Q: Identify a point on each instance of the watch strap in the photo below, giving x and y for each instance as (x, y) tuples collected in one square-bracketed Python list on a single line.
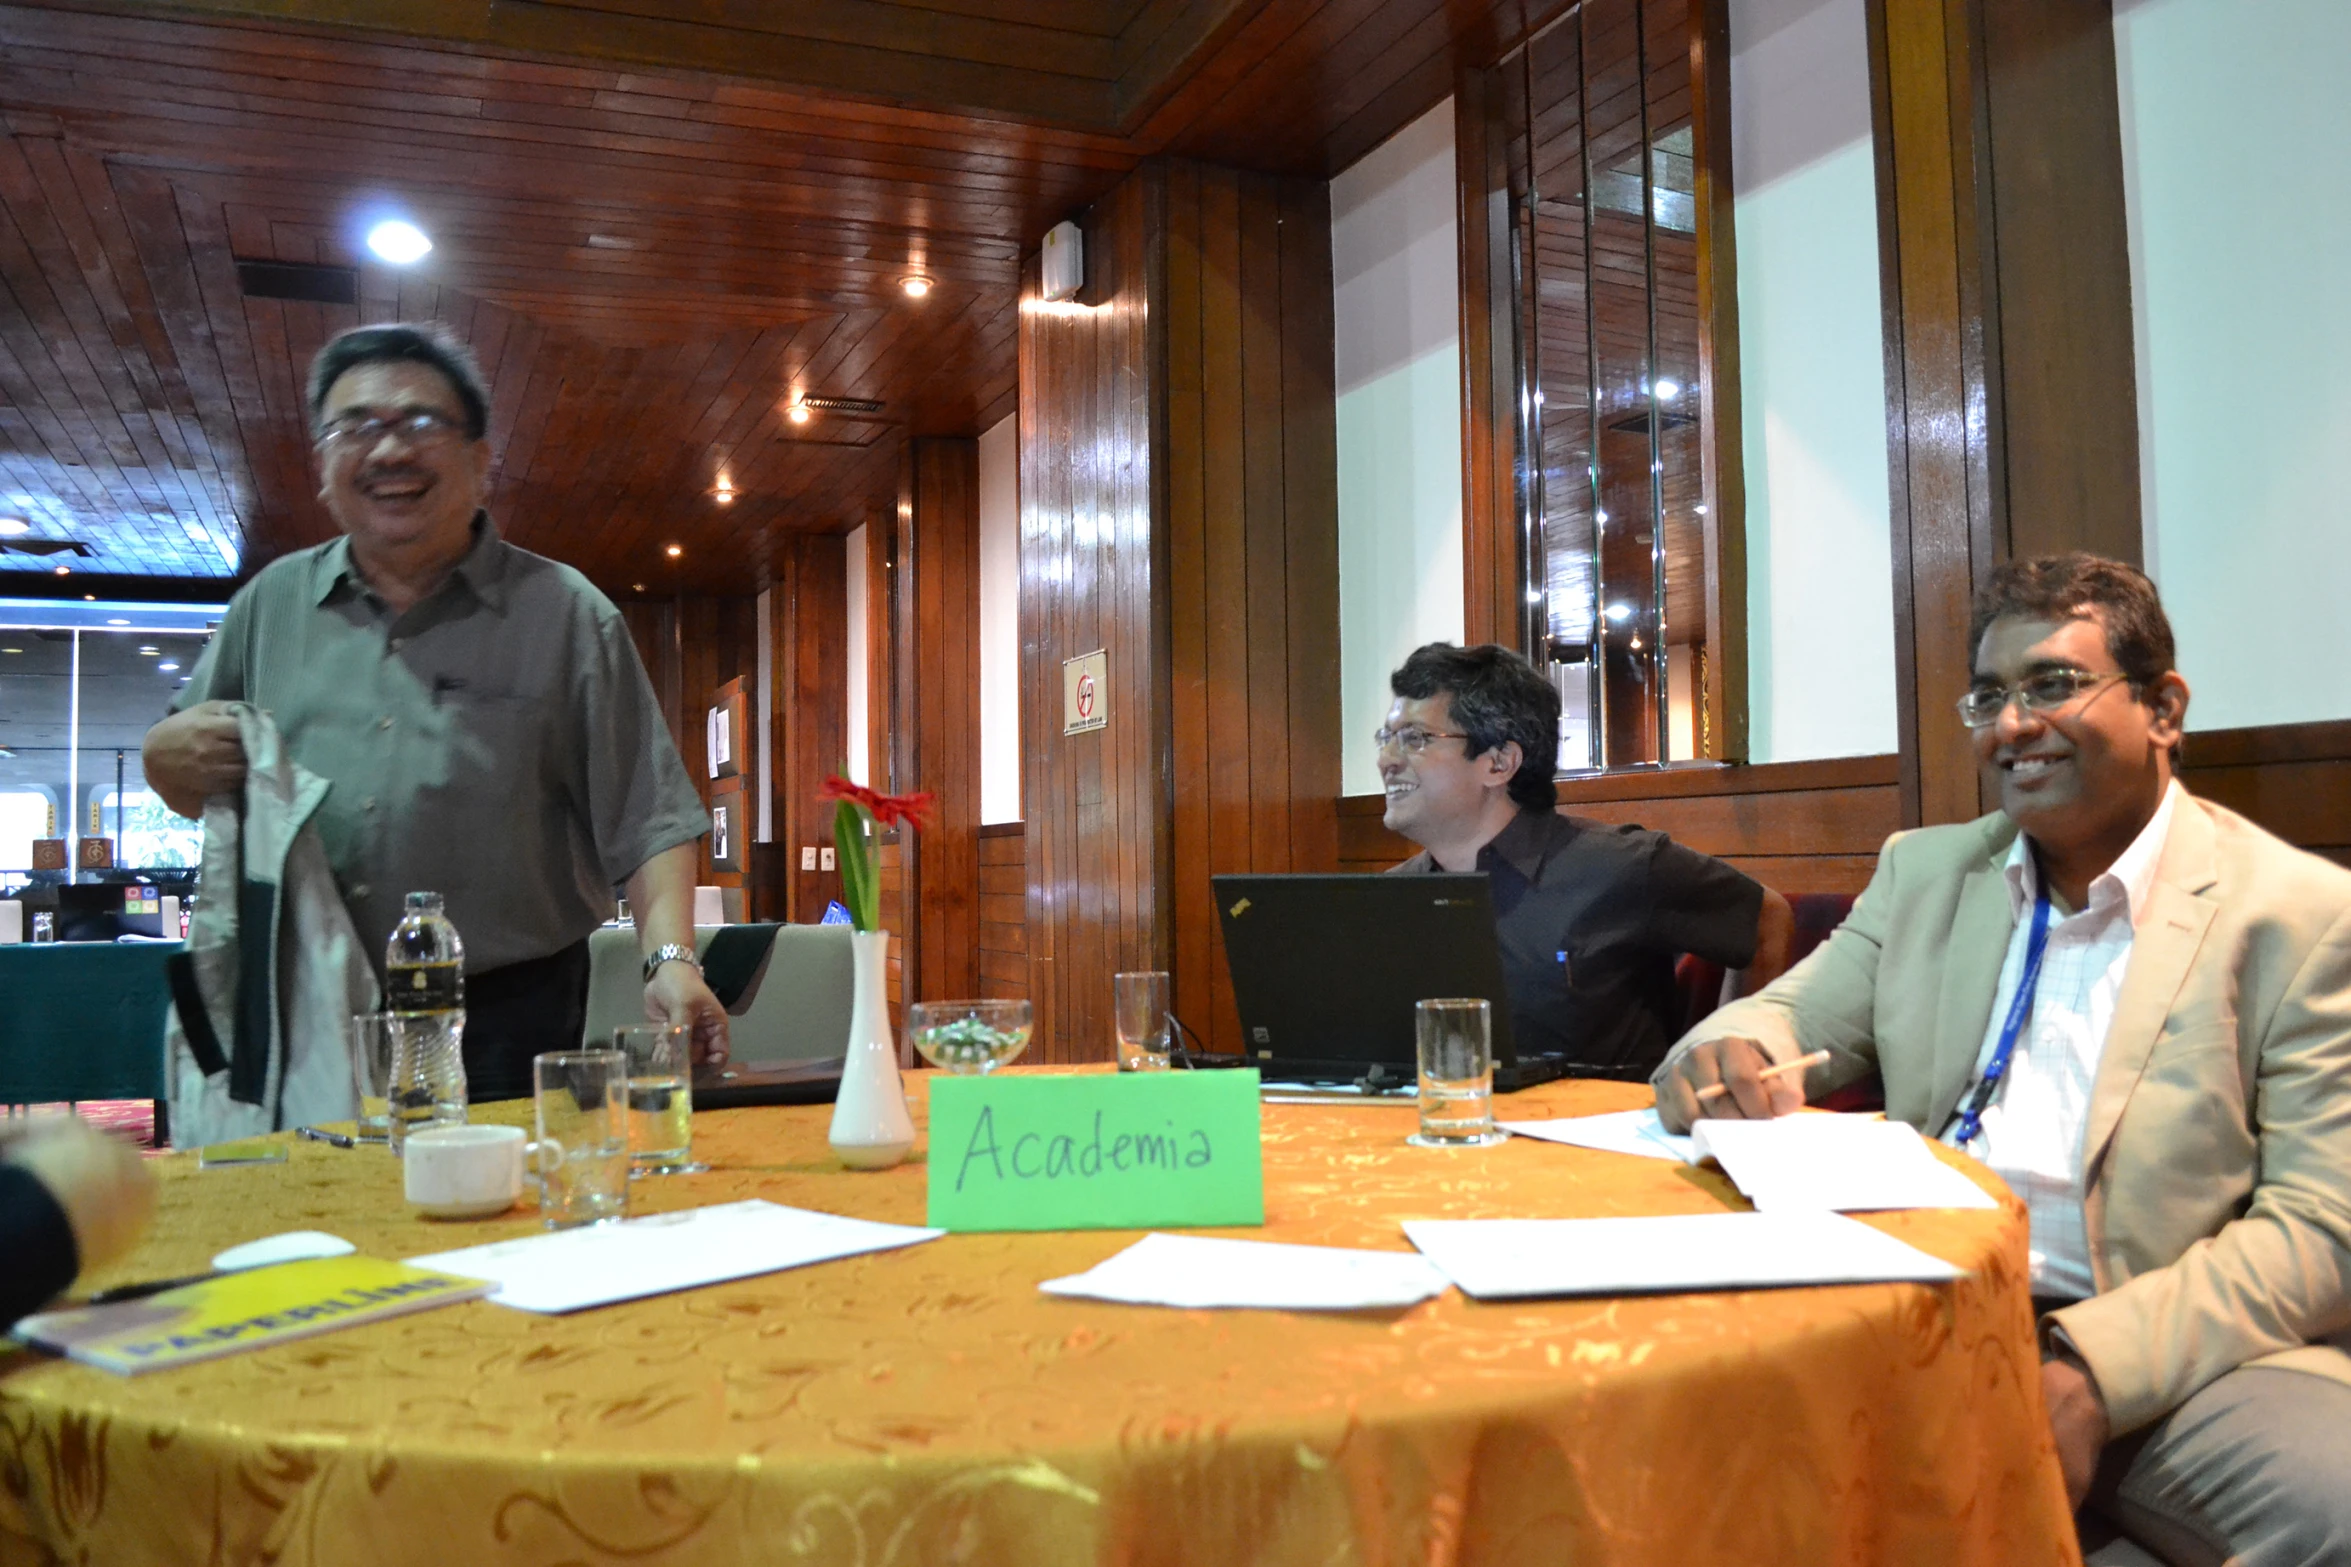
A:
[(670, 952)]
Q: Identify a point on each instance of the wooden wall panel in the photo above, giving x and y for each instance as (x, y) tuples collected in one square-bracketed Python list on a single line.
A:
[(1794, 826), (1252, 553), (939, 740), (1096, 844), (811, 717), (2011, 399), (1004, 945)]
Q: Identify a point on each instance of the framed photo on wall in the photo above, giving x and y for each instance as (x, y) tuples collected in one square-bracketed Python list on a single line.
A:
[(729, 827), (727, 736)]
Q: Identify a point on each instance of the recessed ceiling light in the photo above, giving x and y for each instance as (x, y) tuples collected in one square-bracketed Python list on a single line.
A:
[(399, 243), (674, 551), (150, 652), (67, 571), (87, 598), (725, 491), (117, 622), (915, 284), (798, 413), (10, 527), (167, 665)]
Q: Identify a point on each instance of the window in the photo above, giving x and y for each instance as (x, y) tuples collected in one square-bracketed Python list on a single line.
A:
[(1596, 123), (24, 816), (147, 834)]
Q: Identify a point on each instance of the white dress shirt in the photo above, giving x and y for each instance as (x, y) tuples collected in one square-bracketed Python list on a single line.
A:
[(2034, 1129)]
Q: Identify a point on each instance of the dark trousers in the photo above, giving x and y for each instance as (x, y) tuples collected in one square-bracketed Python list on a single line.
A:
[(520, 1011)]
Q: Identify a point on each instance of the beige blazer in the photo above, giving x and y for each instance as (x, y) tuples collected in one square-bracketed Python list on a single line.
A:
[(2218, 1151)]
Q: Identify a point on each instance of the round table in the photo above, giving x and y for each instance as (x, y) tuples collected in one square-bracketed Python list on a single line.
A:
[(930, 1405)]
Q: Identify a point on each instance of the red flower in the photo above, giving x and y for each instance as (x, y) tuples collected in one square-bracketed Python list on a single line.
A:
[(887, 810)]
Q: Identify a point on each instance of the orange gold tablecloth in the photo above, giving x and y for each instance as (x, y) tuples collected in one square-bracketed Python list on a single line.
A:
[(931, 1406)]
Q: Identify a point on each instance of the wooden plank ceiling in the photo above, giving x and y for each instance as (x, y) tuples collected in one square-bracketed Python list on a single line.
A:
[(652, 258)]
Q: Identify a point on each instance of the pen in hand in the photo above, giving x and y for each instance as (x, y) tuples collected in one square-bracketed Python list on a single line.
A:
[(1800, 1064)]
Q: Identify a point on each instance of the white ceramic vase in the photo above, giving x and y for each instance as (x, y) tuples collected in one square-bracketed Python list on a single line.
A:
[(871, 1129)]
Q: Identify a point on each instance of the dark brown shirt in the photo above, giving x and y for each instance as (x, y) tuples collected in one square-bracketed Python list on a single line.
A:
[(1591, 918)]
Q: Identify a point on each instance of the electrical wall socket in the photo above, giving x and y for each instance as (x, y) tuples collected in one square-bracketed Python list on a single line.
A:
[(808, 857), (825, 858)]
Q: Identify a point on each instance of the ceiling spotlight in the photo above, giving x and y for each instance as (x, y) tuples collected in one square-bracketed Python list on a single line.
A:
[(674, 551), (915, 284), (87, 598), (167, 666), (636, 587), (1669, 389), (725, 492), (1636, 644), (10, 527), (67, 571), (798, 413), (399, 243)]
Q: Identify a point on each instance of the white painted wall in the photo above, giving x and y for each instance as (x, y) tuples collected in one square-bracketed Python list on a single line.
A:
[(1000, 623), (1820, 598), (860, 673), (2234, 123), (1396, 306)]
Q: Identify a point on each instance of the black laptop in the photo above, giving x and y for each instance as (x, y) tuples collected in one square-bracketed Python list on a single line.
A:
[(1326, 970), (99, 912)]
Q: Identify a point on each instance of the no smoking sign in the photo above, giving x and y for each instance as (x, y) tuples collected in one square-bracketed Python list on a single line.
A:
[(1085, 692)]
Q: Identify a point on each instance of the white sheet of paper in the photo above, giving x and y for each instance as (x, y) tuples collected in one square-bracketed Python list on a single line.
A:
[(1202, 1271), (1837, 1163), (1620, 1131), (595, 1266), (1500, 1259)]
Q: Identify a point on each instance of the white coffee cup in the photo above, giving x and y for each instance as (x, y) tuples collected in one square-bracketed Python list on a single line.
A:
[(468, 1172)]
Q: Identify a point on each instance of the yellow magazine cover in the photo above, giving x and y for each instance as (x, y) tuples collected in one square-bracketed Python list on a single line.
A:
[(241, 1311)]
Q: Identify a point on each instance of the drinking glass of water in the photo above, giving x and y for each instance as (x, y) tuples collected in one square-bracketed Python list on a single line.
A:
[(373, 1035), (1139, 1001), (1456, 1074), (661, 1099), (580, 1099)]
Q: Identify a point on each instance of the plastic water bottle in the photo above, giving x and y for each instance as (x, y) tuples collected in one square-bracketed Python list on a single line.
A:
[(424, 984)]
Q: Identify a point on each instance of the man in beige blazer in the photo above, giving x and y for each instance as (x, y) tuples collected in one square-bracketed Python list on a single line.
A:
[(2174, 1104)]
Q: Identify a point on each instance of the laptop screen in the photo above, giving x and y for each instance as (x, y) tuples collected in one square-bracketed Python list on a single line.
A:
[(1328, 968)]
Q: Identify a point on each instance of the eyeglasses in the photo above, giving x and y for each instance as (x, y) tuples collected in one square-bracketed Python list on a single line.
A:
[(417, 426), (2044, 691), (1411, 739)]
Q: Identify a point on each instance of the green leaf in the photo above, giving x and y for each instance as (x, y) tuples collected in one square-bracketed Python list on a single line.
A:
[(853, 852)]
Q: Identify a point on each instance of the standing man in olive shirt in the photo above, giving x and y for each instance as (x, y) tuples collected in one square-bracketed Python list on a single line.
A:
[(480, 713), (1591, 916)]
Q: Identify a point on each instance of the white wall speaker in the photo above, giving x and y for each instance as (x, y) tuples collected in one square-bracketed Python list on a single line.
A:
[(1065, 261)]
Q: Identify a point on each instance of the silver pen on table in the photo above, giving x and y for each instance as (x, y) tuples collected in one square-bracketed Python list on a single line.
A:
[(317, 1135)]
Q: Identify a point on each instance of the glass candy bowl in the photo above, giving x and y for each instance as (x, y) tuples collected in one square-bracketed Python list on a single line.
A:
[(969, 1036)]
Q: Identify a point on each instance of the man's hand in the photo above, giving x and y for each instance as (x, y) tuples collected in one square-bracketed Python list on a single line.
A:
[(2077, 1420), (677, 996), (1738, 1064), (100, 1182), (192, 756)]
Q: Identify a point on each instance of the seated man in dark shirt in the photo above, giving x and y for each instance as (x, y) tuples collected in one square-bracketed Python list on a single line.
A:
[(1591, 916)]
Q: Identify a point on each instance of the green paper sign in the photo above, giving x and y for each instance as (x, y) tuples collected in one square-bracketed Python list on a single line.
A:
[(1095, 1151)]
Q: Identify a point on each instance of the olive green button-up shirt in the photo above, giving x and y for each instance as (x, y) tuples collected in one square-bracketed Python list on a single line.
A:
[(499, 743)]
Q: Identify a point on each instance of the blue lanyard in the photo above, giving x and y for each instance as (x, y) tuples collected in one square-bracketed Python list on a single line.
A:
[(1971, 1119)]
